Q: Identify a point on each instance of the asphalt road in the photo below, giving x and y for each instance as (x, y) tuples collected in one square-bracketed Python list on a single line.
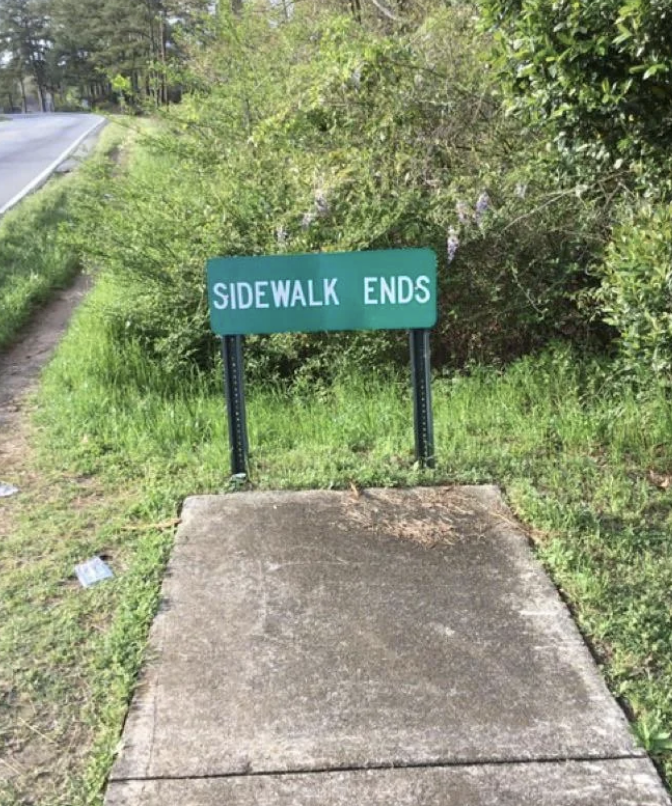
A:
[(32, 146)]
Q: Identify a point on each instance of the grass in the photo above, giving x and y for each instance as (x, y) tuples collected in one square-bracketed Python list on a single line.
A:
[(585, 462), (66, 651), (37, 256)]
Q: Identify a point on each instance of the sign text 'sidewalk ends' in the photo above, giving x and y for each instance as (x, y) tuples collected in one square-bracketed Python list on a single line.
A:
[(380, 290)]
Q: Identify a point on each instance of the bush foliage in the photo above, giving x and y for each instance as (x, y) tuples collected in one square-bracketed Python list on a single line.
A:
[(600, 71), (636, 290), (320, 134), (595, 81)]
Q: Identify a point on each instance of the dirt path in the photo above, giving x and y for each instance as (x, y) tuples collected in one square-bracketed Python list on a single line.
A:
[(20, 367), (35, 757)]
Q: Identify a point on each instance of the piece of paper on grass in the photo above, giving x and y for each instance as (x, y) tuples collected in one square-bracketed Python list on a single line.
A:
[(93, 571)]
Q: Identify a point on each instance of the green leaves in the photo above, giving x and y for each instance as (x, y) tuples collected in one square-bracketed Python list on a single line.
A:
[(650, 734), (635, 295), (600, 70)]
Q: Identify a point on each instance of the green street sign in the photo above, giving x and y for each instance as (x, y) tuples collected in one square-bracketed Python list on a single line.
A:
[(391, 289)]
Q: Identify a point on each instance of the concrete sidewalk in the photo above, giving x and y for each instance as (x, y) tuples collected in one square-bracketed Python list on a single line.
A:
[(398, 648)]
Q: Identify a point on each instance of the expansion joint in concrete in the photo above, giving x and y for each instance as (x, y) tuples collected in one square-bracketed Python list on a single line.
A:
[(402, 765)]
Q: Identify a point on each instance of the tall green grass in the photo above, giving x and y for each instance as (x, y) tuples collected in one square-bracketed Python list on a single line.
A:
[(37, 255), (542, 413), (34, 258)]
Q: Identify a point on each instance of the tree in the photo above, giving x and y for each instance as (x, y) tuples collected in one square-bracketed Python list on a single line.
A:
[(12, 91), (119, 38), (24, 36)]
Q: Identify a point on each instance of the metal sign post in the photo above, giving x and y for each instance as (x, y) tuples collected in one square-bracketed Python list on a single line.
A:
[(234, 389), (423, 420)]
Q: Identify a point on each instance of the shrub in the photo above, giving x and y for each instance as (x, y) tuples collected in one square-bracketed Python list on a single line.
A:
[(635, 295), (320, 135), (599, 72)]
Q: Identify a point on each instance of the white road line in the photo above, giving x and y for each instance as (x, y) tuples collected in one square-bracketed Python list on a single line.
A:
[(42, 178)]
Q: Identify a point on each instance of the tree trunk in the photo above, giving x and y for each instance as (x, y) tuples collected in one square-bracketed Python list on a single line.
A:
[(39, 84), (163, 59), (41, 96), (24, 102)]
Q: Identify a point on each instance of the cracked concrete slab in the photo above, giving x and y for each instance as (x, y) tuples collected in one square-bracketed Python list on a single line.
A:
[(323, 631)]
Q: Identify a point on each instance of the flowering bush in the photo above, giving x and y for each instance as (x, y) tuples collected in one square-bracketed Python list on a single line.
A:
[(321, 135)]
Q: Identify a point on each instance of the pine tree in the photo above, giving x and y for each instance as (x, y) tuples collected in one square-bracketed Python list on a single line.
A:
[(25, 39)]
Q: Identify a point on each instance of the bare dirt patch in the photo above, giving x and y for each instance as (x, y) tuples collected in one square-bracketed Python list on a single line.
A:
[(21, 364), (445, 515)]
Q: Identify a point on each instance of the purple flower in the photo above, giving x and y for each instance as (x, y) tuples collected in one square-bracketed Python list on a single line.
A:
[(482, 205), (281, 235), (452, 244)]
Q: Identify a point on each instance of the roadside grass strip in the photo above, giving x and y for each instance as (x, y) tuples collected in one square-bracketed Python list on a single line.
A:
[(584, 460), (37, 254)]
